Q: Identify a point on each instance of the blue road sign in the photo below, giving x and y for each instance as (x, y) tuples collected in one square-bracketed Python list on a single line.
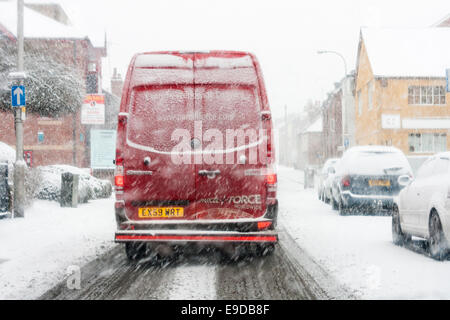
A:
[(17, 96)]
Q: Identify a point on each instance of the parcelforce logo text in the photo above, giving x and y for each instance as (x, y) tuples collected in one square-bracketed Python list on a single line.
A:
[(253, 199)]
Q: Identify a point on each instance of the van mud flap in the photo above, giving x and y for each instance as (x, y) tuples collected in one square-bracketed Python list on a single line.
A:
[(178, 236)]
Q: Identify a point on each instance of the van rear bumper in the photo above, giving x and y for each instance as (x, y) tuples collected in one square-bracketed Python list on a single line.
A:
[(178, 236)]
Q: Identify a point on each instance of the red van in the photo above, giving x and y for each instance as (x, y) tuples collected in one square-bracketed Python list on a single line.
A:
[(195, 158)]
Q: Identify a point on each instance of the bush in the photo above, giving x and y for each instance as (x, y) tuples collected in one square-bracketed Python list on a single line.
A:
[(89, 187)]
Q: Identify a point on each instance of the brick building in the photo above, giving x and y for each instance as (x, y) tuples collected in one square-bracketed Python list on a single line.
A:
[(400, 89), (52, 140), (311, 146), (339, 118), (332, 123)]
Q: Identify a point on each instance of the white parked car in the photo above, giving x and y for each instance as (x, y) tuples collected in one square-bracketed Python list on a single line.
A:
[(422, 208), (324, 184)]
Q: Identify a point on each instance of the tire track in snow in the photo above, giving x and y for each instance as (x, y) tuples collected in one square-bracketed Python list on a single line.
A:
[(112, 276)]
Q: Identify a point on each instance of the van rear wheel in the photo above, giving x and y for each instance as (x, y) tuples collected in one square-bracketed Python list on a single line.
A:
[(135, 250), (265, 249)]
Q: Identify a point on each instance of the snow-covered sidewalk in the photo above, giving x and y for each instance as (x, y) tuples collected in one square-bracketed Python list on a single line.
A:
[(36, 251), (358, 250)]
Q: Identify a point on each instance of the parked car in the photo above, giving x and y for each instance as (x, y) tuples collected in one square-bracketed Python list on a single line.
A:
[(422, 208), (328, 183), (175, 110), (366, 179), (326, 171)]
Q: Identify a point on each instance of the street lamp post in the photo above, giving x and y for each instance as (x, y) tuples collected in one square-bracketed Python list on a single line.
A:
[(342, 105), (336, 53)]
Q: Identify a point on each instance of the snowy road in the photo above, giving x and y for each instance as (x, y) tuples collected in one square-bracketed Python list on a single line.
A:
[(204, 276), (320, 255)]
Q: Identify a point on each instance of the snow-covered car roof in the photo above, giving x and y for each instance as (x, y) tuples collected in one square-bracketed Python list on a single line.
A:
[(371, 148), (374, 160), (443, 154)]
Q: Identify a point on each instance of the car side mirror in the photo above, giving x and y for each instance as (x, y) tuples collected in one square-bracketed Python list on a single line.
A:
[(404, 180), (331, 170)]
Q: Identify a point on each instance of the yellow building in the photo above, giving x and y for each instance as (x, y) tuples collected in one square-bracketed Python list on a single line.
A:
[(400, 90)]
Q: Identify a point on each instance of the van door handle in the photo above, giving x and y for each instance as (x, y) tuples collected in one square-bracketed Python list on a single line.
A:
[(209, 173)]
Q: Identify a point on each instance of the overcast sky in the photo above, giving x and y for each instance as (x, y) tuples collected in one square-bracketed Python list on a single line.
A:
[(284, 35)]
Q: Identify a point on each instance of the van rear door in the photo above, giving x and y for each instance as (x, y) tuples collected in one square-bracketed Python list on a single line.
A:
[(161, 102), (229, 179)]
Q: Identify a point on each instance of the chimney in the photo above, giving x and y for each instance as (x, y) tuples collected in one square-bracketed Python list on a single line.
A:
[(116, 84)]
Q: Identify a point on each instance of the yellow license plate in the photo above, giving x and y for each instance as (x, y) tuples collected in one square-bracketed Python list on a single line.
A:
[(379, 183), (161, 212)]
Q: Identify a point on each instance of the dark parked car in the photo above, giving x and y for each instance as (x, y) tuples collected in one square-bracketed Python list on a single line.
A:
[(366, 179)]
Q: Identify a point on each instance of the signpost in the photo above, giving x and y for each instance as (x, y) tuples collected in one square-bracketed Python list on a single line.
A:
[(390, 121), (17, 96), (103, 149), (18, 103), (93, 109)]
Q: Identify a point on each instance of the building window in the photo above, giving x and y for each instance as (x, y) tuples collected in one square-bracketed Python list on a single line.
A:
[(370, 94), (359, 102), (426, 95), (332, 125), (427, 142)]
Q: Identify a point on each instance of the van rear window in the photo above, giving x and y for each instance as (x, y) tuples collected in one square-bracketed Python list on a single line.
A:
[(156, 111), (230, 108)]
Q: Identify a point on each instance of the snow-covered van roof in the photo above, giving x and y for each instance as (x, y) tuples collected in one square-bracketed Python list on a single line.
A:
[(407, 52), (180, 59), (176, 67), (36, 25)]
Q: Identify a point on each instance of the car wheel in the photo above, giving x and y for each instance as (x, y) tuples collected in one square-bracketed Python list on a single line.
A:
[(135, 250), (398, 237), (343, 210), (436, 241), (334, 204)]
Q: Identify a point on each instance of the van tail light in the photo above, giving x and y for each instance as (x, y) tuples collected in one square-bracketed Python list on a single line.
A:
[(271, 186), (271, 178), (346, 182), (262, 225), (118, 174)]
